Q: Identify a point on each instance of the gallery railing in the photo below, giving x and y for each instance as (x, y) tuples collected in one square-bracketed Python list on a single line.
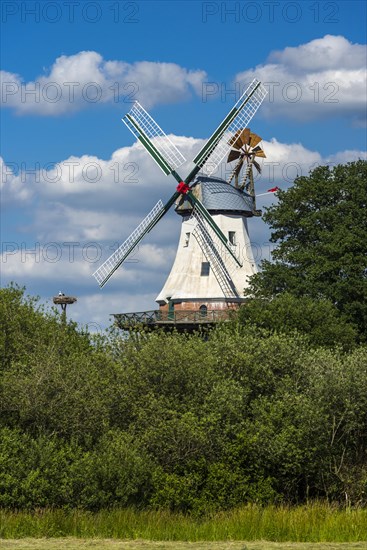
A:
[(158, 317)]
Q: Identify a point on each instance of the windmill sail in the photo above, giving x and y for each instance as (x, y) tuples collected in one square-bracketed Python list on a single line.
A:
[(218, 145), (199, 209), (206, 241), (151, 135), (105, 271)]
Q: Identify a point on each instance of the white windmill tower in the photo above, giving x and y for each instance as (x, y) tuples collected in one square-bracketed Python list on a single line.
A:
[(214, 256)]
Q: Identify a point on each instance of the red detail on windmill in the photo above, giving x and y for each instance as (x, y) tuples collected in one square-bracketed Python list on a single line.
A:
[(273, 189), (183, 188)]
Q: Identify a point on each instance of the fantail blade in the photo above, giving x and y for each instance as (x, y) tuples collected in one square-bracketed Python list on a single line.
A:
[(257, 166), (233, 155), (259, 152), (254, 140)]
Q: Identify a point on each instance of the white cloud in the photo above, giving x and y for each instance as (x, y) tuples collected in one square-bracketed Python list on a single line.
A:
[(13, 186), (75, 225), (85, 79), (345, 156), (324, 77), (329, 52), (88, 198), (71, 206)]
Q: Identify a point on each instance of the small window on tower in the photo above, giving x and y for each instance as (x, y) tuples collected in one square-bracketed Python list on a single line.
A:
[(205, 269), (187, 239), (232, 237)]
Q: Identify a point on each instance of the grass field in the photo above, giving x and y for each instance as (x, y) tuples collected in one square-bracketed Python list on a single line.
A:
[(109, 544), (313, 523)]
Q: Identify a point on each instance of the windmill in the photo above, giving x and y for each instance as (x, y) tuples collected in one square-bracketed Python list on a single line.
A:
[(206, 204)]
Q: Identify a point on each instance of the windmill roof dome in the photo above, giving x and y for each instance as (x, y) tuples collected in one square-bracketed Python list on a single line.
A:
[(218, 196)]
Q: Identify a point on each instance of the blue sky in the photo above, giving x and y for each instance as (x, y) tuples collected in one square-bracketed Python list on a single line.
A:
[(186, 62)]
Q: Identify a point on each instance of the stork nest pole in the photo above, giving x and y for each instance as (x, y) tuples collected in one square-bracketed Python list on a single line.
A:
[(63, 302)]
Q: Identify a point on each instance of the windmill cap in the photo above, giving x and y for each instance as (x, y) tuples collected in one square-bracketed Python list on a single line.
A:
[(218, 196)]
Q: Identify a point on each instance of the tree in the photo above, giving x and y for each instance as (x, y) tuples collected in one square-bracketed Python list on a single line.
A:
[(320, 229), (53, 380), (319, 320), (255, 412)]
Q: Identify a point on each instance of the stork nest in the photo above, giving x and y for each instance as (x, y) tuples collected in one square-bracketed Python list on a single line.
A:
[(61, 300)]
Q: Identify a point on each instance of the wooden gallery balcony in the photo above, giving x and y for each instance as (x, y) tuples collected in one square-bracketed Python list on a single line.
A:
[(188, 320)]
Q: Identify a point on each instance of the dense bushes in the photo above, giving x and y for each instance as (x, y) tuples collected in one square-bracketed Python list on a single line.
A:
[(176, 421)]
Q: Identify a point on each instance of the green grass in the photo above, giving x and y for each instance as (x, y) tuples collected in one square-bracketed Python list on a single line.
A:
[(108, 544), (312, 523)]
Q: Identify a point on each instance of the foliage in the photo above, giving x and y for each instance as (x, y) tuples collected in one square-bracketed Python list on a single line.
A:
[(319, 320), (27, 329), (175, 421), (320, 229)]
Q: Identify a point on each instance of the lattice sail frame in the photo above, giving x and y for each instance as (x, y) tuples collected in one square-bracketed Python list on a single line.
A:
[(146, 130), (218, 145), (208, 243), (105, 271)]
